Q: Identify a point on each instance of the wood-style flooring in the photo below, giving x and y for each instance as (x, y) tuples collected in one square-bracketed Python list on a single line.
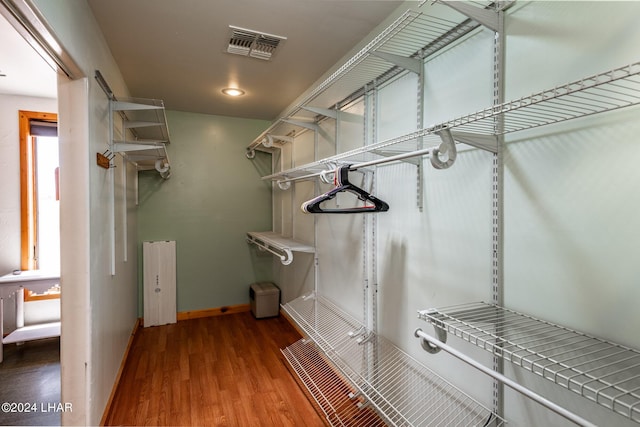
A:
[(30, 377), (215, 371)]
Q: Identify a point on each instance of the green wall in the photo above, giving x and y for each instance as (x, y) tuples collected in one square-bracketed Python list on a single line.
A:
[(214, 196)]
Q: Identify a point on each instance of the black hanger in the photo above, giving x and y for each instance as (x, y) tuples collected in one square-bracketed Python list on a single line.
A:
[(342, 183)]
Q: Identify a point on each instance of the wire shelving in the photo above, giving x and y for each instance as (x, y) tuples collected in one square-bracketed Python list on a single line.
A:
[(402, 391), (599, 370)]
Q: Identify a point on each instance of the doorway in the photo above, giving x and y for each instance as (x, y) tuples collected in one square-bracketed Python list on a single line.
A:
[(28, 84)]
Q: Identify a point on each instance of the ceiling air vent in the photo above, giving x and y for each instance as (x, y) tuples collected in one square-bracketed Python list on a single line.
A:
[(252, 43)]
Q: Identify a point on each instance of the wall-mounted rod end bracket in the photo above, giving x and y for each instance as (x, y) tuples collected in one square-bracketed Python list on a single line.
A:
[(444, 155), (441, 334), (327, 176), (251, 154), (284, 185), (269, 140)]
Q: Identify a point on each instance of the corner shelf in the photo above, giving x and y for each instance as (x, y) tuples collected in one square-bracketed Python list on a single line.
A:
[(146, 120), (280, 246), (375, 367), (599, 370)]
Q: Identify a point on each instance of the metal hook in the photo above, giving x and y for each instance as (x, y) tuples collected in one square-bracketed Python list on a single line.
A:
[(284, 185), (441, 334), (447, 149)]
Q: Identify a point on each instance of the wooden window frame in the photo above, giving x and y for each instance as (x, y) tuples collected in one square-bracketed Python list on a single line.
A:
[(28, 191)]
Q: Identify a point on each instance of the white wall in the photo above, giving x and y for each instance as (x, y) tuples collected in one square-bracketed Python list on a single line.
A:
[(571, 212), (99, 310), (10, 173)]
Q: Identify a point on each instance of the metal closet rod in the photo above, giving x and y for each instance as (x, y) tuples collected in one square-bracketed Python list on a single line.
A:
[(506, 381), (357, 166), (286, 259)]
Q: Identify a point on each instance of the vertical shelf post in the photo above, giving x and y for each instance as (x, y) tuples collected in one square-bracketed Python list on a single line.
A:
[(497, 196)]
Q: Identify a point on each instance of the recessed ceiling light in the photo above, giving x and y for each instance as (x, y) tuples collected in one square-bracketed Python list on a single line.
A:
[(232, 91)]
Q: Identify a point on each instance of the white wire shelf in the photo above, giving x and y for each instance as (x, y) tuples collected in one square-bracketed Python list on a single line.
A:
[(402, 391), (145, 120), (608, 91), (599, 370), (411, 33), (339, 401), (280, 246)]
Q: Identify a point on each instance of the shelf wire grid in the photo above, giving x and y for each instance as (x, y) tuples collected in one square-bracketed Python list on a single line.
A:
[(328, 388), (599, 370), (403, 392), (406, 37), (608, 91)]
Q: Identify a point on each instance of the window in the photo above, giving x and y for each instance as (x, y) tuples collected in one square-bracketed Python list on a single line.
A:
[(40, 205)]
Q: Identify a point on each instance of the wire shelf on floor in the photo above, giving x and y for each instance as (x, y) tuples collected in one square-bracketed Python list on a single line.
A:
[(602, 371), (402, 391), (332, 393)]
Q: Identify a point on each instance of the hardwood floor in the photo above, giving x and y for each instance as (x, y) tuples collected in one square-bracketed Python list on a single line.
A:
[(30, 373), (216, 371)]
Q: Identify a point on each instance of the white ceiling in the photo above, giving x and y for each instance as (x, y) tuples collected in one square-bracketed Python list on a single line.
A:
[(23, 71), (174, 50)]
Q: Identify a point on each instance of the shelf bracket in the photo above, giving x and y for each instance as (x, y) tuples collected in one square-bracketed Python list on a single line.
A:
[(326, 112), (412, 64), (284, 185), (306, 125), (441, 333), (486, 17), (132, 106), (484, 142), (447, 149), (286, 257), (123, 147), (333, 113)]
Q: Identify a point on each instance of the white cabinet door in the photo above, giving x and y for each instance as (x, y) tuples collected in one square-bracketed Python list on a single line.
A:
[(159, 270)]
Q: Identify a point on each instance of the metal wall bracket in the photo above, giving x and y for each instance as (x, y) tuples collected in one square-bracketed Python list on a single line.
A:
[(411, 64), (306, 125), (124, 147), (441, 334), (333, 113), (447, 149), (484, 142), (486, 17)]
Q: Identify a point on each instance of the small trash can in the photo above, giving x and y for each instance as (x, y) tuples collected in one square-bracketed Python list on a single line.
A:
[(264, 300)]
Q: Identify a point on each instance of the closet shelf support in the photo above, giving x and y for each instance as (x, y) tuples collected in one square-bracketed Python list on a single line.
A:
[(299, 123), (280, 246), (412, 64), (486, 17), (434, 342), (447, 149), (483, 142)]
